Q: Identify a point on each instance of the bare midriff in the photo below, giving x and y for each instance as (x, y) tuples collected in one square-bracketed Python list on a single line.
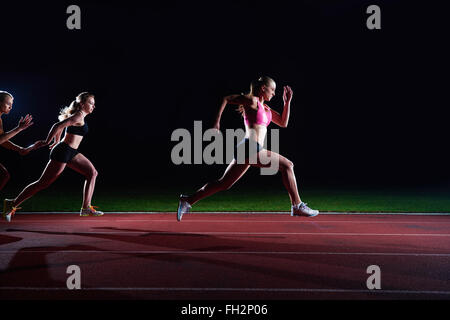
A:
[(256, 132), (73, 140)]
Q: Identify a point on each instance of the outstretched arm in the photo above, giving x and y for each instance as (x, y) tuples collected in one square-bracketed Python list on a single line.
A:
[(56, 139), (283, 119), (56, 130), (4, 137), (38, 144), (237, 99)]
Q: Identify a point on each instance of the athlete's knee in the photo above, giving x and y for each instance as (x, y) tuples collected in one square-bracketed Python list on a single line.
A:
[(290, 165), (92, 173), (287, 165)]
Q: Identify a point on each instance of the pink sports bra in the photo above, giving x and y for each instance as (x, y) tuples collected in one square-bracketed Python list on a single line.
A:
[(260, 116)]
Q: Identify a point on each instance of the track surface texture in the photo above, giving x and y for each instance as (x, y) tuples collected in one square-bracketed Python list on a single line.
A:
[(225, 256)]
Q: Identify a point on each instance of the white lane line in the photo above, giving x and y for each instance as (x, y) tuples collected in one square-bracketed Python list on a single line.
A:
[(102, 220), (405, 254), (177, 233), (281, 290), (249, 212)]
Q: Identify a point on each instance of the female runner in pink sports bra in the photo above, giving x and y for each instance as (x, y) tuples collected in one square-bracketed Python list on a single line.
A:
[(257, 116)]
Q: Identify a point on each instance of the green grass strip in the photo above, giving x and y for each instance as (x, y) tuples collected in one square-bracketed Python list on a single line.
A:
[(246, 199)]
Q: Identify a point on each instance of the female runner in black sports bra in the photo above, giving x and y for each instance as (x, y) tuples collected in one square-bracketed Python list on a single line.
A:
[(64, 153)]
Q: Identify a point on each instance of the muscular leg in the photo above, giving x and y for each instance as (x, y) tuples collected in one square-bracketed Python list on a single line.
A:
[(286, 167), (51, 172), (232, 174), (4, 176), (82, 165)]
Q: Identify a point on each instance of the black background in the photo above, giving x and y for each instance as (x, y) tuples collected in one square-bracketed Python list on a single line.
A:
[(369, 106)]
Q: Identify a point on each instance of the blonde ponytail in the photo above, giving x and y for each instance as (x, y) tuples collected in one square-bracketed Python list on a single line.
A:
[(255, 85), (74, 106)]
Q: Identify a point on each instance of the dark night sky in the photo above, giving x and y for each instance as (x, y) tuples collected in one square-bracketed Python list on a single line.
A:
[(369, 107)]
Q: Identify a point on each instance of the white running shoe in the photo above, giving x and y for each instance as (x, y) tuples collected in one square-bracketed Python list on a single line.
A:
[(90, 212), (8, 209), (303, 210), (183, 207)]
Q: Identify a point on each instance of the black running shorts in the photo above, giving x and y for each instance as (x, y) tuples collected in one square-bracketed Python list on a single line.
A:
[(62, 152)]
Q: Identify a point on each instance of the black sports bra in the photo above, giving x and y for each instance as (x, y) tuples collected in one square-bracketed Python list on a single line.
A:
[(78, 130)]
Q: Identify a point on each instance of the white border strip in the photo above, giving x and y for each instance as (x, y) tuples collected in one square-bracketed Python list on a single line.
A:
[(282, 290), (226, 233), (232, 252)]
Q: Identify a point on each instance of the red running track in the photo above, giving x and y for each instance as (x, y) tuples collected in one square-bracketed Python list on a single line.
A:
[(225, 256)]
